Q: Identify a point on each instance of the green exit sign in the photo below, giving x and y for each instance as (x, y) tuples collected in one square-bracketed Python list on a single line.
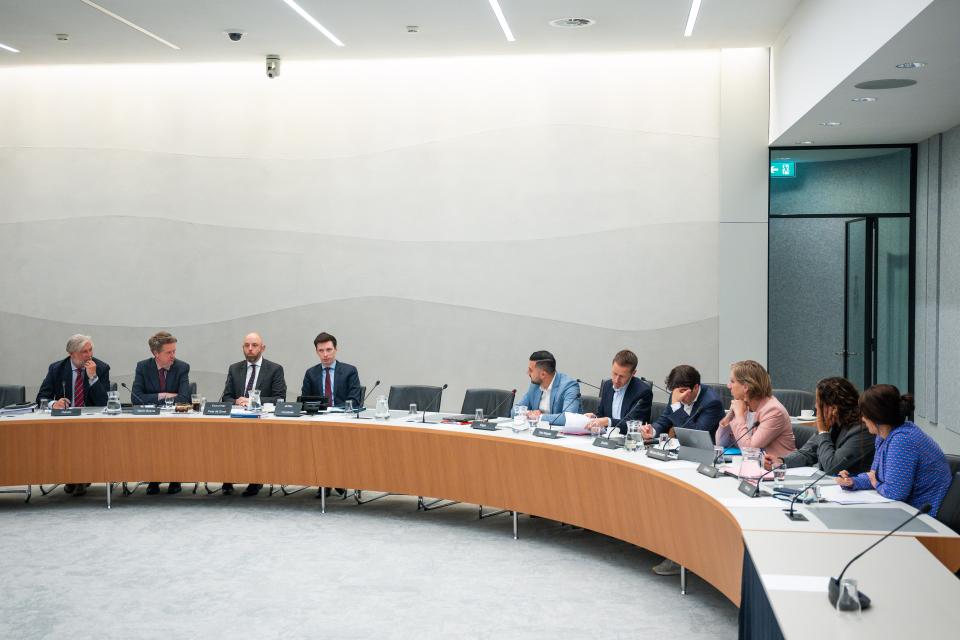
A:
[(783, 169)]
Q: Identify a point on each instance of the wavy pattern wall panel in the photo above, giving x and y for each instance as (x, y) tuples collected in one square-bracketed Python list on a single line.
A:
[(443, 218)]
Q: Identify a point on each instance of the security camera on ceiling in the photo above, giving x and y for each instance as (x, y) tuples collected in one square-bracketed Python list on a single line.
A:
[(235, 34), (273, 66)]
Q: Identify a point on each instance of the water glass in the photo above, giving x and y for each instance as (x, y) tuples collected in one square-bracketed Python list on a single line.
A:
[(348, 406), (532, 419), (44, 405), (520, 415), (168, 404), (195, 401), (717, 454), (812, 495), (413, 408), (254, 403), (849, 598), (779, 476), (478, 415)]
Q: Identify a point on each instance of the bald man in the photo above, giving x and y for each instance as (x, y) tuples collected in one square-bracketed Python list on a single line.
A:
[(253, 372)]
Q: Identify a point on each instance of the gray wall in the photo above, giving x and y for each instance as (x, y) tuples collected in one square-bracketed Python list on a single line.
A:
[(442, 217), (938, 293)]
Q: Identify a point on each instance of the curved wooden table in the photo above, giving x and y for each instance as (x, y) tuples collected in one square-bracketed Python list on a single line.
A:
[(618, 498)]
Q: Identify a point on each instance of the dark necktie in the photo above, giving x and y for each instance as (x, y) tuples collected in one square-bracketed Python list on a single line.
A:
[(253, 374), (328, 386), (78, 388), (163, 379)]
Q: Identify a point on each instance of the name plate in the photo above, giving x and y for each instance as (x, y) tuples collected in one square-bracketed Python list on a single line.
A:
[(216, 409), (483, 425), (287, 410), (70, 411), (605, 443), (145, 410), (540, 432), (747, 488), (708, 470), (659, 454)]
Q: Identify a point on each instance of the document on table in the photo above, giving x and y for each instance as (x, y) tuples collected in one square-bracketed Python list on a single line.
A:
[(802, 472), (575, 424), (836, 493)]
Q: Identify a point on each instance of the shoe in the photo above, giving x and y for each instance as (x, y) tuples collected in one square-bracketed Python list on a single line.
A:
[(227, 489), (153, 488), (251, 490), (80, 490), (667, 568), (68, 488), (173, 488)]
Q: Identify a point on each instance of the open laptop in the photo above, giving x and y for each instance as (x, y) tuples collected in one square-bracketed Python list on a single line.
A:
[(695, 445)]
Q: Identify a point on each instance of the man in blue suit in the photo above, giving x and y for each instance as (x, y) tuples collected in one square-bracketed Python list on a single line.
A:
[(336, 380), (623, 397), (551, 394), (159, 378), (691, 406)]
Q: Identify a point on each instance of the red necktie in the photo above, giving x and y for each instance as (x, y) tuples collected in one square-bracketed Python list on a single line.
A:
[(328, 387), (78, 388), (163, 380)]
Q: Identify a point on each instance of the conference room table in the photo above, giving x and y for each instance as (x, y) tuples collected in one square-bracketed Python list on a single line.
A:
[(708, 526)]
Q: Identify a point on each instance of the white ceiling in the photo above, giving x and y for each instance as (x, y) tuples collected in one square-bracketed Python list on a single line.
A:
[(370, 28), (910, 114)]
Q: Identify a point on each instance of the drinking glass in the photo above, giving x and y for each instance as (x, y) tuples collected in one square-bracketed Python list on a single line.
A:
[(44, 405), (779, 476), (717, 454), (195, 401), (532, 419), (168, 404), (478, 415), (348, 406), (849, 598), (254, 403), (413, 408), (519, 418)]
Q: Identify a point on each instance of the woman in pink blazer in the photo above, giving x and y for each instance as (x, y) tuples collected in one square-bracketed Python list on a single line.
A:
[(756, 418)]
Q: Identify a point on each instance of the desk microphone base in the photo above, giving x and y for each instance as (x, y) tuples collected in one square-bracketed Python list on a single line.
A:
[(795, 516)]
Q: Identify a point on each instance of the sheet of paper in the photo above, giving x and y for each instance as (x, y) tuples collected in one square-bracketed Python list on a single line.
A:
[(574, 424), (780, 582), (803, 472), (836, 493)]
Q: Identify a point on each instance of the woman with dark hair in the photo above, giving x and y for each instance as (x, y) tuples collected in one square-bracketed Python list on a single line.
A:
[(841, 442), (908, 465)]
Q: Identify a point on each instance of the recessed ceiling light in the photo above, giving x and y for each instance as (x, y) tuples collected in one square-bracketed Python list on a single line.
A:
[(886, 83), (313, 22), (803, 142), (692, 18), (863, 99), (8, 48), (911, 65), (497, 11), (93, 4), (829, 124), (571, 23)]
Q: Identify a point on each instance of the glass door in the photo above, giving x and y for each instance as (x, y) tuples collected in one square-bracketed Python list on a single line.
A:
[(856, 350)]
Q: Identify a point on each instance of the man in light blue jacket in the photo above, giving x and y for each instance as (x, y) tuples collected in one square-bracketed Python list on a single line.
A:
[(551, 393)]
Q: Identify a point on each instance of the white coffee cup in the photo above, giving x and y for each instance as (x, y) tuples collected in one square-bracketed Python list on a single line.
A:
[(806, 413)]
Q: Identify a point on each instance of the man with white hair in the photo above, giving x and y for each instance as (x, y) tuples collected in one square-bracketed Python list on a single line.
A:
[(79, 380)]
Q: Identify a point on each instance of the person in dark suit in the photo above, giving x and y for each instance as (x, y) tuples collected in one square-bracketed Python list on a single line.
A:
[(79, 380), (623, 397), (159, 378), (336, 380), (253, 372), (692, 406)]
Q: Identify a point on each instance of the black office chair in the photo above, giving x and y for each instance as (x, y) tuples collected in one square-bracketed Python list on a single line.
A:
[(954, 461), (795, 400), (425, 397), (12, 394), (496, 403), (656, 410), (589, 404), (949, 512), (802, 433), (722, 391)]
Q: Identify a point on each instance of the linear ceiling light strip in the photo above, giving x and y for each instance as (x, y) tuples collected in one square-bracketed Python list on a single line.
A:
[(313, 21), (129, 24), (495, 5), (692, 18)]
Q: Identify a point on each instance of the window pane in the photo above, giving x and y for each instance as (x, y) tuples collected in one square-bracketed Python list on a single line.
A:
[(893, 301), (841, 181)]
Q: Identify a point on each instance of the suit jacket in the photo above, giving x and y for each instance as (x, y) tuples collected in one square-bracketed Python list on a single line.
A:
[(771, 430), (146, 382), (708, 409), (848, 449), (270, 382), (60, 377), (564, 397), (346, 383), (638, 393)]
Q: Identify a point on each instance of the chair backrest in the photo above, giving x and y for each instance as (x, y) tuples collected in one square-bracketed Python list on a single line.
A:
[(490, 400), (426, 398), (954, 461), (363, 393), (193, 388), (802, 433), (657, 409), (794, 400), (721, 390), (949, 512), (12, 394), (589, 404)]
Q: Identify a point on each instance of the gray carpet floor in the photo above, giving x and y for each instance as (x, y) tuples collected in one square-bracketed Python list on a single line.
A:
[(230, 567)]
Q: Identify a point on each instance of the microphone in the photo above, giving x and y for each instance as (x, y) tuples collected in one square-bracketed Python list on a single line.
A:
[(748, 488), (63, 386), (133, 396), (655, 385), (363, 402), (424, 421), (493, 414), (579, 381), (691, 418), (833, 587), (799, 517)]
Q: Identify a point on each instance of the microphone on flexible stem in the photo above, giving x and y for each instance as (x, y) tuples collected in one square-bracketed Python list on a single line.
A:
[(363, 402), (799, 517), (63, 387), (440, 393), (496, 409), (692, 417), (753, 490), (133, 396), (563, 410), (615, 427), (833, 587), (655, 385), (579, 381)]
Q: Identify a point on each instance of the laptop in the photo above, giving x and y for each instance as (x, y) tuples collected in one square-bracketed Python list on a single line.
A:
[(695, 445)]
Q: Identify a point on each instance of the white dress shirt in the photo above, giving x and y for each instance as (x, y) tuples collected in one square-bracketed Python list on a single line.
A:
[(545, 397)]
